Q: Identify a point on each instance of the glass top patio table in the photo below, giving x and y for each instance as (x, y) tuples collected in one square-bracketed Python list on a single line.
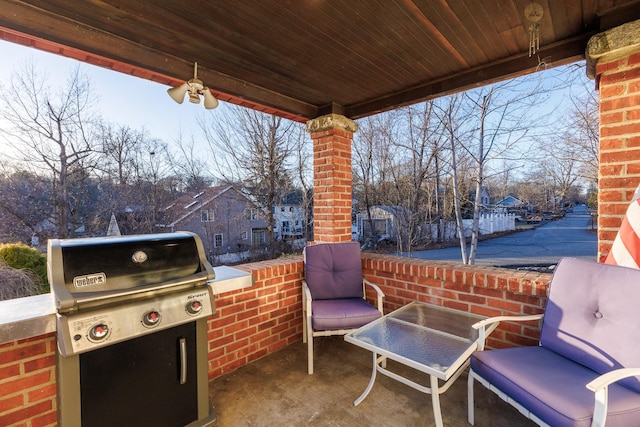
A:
[(426, 337), (432, 339)]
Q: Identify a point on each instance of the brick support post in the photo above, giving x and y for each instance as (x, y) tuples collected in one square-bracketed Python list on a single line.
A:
[(331, 136), (613, 59)]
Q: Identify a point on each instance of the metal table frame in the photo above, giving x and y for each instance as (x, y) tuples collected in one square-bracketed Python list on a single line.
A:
[(431, 339)]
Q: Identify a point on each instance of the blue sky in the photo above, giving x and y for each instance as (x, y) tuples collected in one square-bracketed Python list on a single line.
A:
[(142, 104), (123, 99)]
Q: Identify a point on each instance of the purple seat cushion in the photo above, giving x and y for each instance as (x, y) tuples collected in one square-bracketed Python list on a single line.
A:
[(553, 387), (333, 270), (592, 316), (342, 314)]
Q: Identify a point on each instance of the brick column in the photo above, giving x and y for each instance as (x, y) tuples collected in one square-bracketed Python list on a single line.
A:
[(613, 59), (331, 136)]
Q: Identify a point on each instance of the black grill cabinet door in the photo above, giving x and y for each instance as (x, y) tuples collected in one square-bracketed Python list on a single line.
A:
[(138, 382)]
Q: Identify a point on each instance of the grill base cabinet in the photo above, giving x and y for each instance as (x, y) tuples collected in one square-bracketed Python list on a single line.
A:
[(132, 330), (137, 382)]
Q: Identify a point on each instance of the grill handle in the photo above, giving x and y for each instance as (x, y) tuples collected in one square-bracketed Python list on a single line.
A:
[(183, 360)]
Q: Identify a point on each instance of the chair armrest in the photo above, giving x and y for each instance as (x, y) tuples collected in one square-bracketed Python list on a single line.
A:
[(487, 326), (611, 377), (306, 294), (380, 295), (600, 387)]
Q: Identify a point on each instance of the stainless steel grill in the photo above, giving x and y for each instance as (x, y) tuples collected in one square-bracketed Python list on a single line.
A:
[(132, 330)]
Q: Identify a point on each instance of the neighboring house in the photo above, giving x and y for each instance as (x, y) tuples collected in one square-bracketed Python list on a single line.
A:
[(387, 221), (289, 221), (510, 202), (485, 197), (226, 220)]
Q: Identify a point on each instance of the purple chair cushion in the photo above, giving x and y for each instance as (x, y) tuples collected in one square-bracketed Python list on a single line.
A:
[(333, 270), (593, 316), (553, 387), (336, 314)]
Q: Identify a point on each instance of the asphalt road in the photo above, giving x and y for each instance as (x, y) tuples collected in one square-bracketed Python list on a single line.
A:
[(543, 245)]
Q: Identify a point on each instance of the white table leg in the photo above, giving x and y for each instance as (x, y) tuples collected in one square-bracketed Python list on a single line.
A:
[(435, 400), (371, 381)]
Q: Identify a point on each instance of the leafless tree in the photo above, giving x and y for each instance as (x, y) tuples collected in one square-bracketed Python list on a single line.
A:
[(25, 200), (189, 163), (256, 149), (582, 134), (369, 159), (498, 123), (418, 145), (119, 148), (448, 114), (570, 155), (52, 131)]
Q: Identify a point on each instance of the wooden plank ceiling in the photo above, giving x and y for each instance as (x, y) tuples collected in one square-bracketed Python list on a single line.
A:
[(304, 58)]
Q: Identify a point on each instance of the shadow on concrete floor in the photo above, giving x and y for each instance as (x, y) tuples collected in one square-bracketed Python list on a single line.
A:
[(276, 391)]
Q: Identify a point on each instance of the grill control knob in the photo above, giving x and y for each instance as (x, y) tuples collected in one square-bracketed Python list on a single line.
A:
[(151, 318), (99, 332), (194, 307)]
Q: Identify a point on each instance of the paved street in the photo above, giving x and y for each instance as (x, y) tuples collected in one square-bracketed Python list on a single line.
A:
[(543, 245)]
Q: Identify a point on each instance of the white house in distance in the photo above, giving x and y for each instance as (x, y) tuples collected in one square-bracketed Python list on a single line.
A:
[(386, 221), (289, 222)]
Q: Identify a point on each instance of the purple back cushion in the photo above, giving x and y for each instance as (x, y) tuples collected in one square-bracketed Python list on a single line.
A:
[(593, 316), (334, 270)]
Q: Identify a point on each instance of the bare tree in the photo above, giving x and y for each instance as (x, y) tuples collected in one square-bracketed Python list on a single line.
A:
[(498, 122), (448, 114), (189, 163), (419, 146), (583, 133), (52, 131), (570, 156), (119, 147), (256, 149), (25, 202), (369, 156)]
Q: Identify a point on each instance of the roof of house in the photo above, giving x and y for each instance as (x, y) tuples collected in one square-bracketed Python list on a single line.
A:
[(510, 201), (193, 202)]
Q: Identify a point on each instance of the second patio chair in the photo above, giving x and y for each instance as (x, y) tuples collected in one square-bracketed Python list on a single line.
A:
[(586, 369), (333, 295)]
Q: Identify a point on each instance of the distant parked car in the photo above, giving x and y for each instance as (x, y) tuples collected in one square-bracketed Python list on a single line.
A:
[(547, 215)]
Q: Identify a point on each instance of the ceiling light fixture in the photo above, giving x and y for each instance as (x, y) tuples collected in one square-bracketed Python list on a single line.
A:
[(194, 88), (533, 12)]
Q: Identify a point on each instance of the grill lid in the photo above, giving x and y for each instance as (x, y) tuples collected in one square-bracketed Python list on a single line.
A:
[(97, 271)]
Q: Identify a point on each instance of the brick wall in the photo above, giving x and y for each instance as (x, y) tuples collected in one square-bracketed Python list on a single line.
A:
[(619, 87), (251, 323), (27, 382), (486, 291)]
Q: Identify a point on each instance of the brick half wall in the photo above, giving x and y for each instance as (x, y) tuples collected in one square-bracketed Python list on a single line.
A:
[(254, 322), (28, 382), (487, 291)]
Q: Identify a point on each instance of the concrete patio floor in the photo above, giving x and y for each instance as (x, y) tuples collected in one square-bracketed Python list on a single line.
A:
[(276, 391)]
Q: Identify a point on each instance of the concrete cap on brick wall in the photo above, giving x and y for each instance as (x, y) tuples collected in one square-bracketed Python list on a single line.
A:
[(612, 44), (331, 121)]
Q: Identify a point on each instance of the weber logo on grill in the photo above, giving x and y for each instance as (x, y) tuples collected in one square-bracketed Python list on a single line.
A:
[(90, 280)]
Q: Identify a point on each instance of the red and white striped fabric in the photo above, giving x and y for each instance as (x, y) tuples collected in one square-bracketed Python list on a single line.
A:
[(626, 246)]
